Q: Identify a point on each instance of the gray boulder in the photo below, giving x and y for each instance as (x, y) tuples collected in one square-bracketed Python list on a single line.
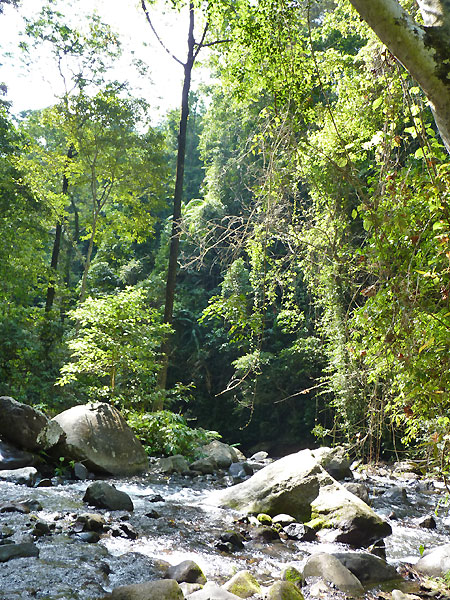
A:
[(172, 464), (367, 567), (12, 458), (222, 453), (25, 476), (21, 424), (98, 436), (288, 485), (206, 466), (187, 571), (358, 489), (356, 523), (435, 562), (331, 569), (104, 495), (240, 470), (167, 589), (24, 550), (335, 461)]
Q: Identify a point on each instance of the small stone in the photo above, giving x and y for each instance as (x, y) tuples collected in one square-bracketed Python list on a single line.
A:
[(90, 537), (293, 575), (265, 534), (155, 498), (80, 471), (24, 550), (234, 538), (41, 528), (103, 495), (284, 590), (283, 520), (243, 584), (44, 483), (264, 519), (428, 522), (152, 514), (300, 532)]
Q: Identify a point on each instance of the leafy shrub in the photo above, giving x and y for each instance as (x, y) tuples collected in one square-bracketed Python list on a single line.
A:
[(167, 433)]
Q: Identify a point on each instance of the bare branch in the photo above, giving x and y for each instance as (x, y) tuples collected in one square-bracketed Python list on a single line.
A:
[(147, 15)]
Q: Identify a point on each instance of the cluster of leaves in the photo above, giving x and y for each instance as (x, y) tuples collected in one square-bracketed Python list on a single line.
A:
[(165, 433)]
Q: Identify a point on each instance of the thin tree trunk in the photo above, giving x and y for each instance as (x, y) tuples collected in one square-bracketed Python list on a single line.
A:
[(87, 264), (51, 290), (178, 194)]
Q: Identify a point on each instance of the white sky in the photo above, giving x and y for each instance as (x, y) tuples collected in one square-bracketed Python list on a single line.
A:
[(35, 86)]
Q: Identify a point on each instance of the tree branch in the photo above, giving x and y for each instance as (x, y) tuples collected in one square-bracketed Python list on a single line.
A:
[(147, 16)]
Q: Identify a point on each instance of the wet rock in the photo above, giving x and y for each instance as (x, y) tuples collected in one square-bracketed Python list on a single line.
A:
[(6, 532), (335, 461), (367, 567), (13, 458), (152, 590), (223, 454), (89, 522), (264, 519), (25, 476), (284, 590), (40, 529), (44, 483), (283, 520), (152, 514), (187, 571), (378, 548), (258, 456), (24, 550), (90, 537), (397, 494), (20, 507), (428, 522), (104, 495), (243, 585), (212, 591), (358, 489), (435, 562), (234, 538), (155, 498), (356, 523), (265, 534), (172, 464), (240, 470), (98, 436), (330, 569), (293, 575), (124, 530), (300, 532), (205, 466), (20, 423), (80, 472)]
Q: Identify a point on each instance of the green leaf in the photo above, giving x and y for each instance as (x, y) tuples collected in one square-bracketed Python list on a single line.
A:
[(376, 103)]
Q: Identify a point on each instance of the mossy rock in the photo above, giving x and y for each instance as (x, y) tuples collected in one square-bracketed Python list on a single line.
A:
[(284, 590), (243, 584), (264, 519), (293, 575)]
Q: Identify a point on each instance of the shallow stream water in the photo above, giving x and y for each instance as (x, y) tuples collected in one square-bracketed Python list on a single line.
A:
[(187, 528)]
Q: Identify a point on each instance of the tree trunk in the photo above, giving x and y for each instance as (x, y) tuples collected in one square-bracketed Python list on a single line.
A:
[(423, 50), (176, 222), (87, 263), (51, 290)]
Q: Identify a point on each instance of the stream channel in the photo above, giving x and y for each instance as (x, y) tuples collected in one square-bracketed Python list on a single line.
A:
[(184, 527)]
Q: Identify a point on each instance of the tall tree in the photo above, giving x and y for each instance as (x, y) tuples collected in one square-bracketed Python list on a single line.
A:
[(424, 50), (174, 249)]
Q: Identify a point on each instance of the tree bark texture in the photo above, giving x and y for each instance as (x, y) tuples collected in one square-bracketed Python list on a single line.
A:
[(51, 290), (177, 198), (424, 50)]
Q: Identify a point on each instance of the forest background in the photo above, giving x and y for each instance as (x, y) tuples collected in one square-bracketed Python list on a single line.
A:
[(312, 294)]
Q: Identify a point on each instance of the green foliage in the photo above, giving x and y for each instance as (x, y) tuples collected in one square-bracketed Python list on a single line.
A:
[(167, 433), (114, 348)]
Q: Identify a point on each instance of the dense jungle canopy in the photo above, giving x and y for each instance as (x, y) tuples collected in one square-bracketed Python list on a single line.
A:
[(308, 235)]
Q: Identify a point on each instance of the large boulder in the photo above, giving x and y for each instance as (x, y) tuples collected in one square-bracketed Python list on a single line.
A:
[(435, 562), (24, 476), (288, 485), (335, 461), (12, 458), (354, 522), (21, 424), (98, 436), (331, 569), (222, 453), (367, 567)]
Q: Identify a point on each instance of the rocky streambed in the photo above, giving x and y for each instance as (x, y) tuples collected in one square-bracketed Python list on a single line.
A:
[(53, 544)]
